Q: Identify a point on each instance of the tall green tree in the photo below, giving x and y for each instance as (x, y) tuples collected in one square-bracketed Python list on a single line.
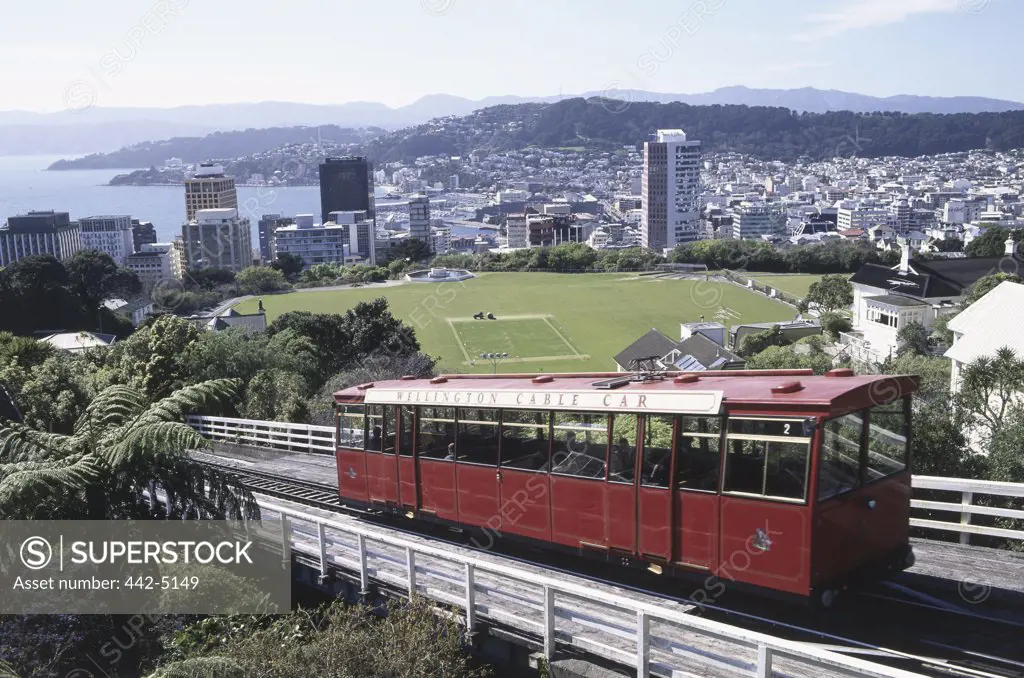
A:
[(94, 276), (831, 293)]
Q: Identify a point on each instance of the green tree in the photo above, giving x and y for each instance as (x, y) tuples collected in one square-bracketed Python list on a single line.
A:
[(93, 277), (992, 243), (258, 279), (155, 358), (759, 341), (914, 339), (831, 293), (983, 286), (290, 265), (276, 395), (121, 445), (834, 323), (988, 394), (413, 249)]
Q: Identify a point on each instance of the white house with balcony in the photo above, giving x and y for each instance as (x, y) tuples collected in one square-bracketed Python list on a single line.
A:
[(984, 327), (887, 299)]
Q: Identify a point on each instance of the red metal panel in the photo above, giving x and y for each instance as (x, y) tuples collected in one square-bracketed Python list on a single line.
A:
[(407, 481), (765, 543), (887, 526), (696, 527), (655, 522), (382, 477), (578, 511), (437, 488), (478, 496), (838, 537), (525, 504), (352, 474), (620, 499)]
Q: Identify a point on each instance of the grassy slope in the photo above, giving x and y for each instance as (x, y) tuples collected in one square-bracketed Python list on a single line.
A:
[(598, 315)]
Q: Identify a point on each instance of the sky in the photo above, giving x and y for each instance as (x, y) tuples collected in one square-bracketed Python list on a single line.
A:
[(177, 52)]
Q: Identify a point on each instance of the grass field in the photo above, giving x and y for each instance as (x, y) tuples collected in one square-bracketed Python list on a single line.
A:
[(797, 285), (546, 322)]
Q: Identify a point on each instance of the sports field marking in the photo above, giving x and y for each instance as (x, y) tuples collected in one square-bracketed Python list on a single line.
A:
[(458, 340), (554, 329), (540, 358)]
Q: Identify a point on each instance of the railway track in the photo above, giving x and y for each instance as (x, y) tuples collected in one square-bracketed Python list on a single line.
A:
[(937, 647)]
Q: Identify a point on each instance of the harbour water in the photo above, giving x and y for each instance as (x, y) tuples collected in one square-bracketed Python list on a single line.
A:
[(25, 185)]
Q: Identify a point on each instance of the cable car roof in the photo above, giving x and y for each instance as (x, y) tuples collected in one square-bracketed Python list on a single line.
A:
[(703, 392)]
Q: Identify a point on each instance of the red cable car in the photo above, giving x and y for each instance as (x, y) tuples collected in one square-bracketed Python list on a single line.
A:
[(778, 479)]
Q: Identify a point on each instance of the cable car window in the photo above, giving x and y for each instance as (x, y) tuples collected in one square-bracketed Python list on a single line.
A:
[(699, 452), (524, 439), (887, 440), (839, 469), (380, 429), (435, 436), (658, 432), (622, 460), (405, 430), (580, 444), (768, 458), (478, 437), (351, 419)]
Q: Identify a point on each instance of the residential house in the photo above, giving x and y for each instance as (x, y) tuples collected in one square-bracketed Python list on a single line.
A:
[(694, 352)]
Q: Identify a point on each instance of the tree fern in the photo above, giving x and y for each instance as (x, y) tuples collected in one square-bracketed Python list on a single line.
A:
[(122, 449)]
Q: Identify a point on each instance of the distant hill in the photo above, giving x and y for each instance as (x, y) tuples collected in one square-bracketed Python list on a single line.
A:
[(220, 145), (106, 129), (766, 132)]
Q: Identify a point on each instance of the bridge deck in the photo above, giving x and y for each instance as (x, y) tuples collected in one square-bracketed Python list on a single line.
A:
[(956, 573), (975, 574), (314, 468)]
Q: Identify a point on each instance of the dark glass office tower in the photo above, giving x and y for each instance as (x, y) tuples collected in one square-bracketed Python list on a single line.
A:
[(346, 185)]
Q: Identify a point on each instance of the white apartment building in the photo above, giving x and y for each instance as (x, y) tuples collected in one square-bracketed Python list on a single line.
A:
[(360, 233), (511, 195), (861, 217), (155, 263), (670, 190), (441, 239), (217, 238), (751, 221), (419, 219), (517, 229), (313, 243), (110, 234)]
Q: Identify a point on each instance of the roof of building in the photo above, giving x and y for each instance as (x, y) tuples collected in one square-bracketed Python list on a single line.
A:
[(986, 325), (79, 341), (914, 283), (254, 321), (897, 300), (706, 351), (654, 343)]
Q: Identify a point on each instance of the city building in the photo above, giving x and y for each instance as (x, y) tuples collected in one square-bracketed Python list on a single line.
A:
[(541, 230), (267, 224), (346, 185), (697, 350), (155, 263), (143, 233), (419, 218), (313, 243), (861, 218), (79, 342), (135, 310), (756, 220), (517, 231), (39, 232), (670, 190), (110, 234), (209, 189), (217, 238), (360, 234), (442, 239)]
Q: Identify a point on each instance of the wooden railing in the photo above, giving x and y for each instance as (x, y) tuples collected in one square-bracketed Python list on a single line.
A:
[(965, 509)]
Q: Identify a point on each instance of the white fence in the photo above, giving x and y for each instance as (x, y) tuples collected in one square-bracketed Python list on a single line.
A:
[(277, 435), (617, 627), (966, 508), (320, 440)]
